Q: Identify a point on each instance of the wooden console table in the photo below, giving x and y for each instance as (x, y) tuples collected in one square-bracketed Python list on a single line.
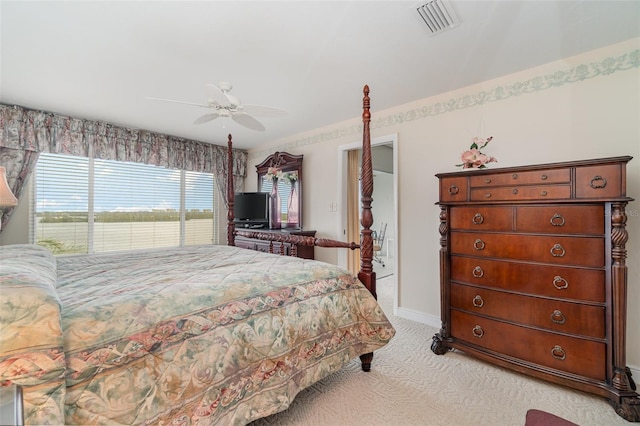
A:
[(303, 251)]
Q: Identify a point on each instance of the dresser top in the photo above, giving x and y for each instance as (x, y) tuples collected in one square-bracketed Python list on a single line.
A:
[(602, 179), (565, 164)]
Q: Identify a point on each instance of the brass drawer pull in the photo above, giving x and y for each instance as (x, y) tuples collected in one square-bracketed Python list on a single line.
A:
[(544, 177), (514, 176), (487, 195), (453, 190), (478, 331), (478, 219), (558, 317), (477, 272), (560, 283), (487, 180), (558, 353), (598, 182), (557, 251), (543, 193), (514, 191), (478, 302), (557, 220), (478, 244)]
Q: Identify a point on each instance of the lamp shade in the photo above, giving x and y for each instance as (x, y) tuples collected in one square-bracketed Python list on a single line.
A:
[(7, 199)]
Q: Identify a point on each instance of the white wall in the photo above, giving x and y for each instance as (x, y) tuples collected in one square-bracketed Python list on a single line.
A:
[(382, 206), (583, 107)]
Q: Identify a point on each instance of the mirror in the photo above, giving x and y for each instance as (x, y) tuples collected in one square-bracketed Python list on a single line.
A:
[(280, 174)]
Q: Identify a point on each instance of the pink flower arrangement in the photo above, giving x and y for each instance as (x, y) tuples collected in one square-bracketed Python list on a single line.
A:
[(273, 173), (473, 158)]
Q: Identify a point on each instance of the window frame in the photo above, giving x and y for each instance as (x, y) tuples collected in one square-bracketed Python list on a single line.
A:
[(186, 189)]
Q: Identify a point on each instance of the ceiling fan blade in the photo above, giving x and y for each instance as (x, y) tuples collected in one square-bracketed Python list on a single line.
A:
[(177, 102), (217, 95), (263, 111), (247, 121), (206, 117)]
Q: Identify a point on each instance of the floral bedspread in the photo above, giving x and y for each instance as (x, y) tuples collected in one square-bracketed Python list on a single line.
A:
[(31, 337), (205, 335)]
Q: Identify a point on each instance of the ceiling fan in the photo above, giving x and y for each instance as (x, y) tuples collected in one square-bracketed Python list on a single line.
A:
[(225, 105)]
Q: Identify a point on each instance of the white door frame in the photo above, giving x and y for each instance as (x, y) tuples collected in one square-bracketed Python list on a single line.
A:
[(341, 230)]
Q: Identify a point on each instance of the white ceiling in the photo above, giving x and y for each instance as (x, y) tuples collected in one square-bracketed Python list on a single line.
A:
[(100, 60)]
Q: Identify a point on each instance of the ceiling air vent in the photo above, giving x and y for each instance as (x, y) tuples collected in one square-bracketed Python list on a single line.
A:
[(438, 15)]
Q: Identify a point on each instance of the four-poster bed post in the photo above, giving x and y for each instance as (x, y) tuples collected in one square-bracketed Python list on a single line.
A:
[(231, 237), (366, 274)]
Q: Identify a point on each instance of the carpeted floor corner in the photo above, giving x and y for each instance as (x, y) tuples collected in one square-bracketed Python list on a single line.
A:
[(410, 385)]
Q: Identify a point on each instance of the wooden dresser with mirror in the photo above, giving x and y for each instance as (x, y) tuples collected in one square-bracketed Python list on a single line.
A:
[(285, 182), (533, 273)]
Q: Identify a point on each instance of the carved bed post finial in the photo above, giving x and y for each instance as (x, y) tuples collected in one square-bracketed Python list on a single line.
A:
[(230, 195)]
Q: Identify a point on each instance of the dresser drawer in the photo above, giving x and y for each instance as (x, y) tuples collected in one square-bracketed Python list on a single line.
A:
[(600, 181), (515, 193), (566, 317), (453, 189), (564, 353), (561, 219), (244, 243), (551, 281), (482, 218), (579, 251), (522, 178)]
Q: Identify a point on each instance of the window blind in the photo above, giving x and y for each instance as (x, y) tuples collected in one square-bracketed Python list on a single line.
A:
[(136, 206), (200, 223), (127, 205), (62, 203)]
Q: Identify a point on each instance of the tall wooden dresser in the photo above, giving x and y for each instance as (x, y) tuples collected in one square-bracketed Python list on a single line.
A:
[(533, 274)]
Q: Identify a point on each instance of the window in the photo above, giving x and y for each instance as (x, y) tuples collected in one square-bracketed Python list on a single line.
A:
[(87, 205)]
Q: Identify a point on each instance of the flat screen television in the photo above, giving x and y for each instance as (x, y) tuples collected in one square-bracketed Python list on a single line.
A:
[(251, 209)]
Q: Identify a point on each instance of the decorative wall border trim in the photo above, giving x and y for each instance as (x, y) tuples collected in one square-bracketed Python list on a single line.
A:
[(605, 67)]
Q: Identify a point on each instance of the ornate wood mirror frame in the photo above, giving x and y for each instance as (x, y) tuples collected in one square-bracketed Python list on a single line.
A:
[(288, 179)]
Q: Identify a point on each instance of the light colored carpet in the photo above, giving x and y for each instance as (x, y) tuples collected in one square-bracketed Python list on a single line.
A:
[(410, 385)]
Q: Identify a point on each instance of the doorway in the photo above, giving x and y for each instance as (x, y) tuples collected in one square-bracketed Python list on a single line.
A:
[(384, 206)]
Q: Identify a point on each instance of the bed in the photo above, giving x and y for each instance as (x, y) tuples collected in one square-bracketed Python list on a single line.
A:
[(194, 335)]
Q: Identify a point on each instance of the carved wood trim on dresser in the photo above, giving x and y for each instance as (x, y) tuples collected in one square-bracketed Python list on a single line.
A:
[(533, 274), (288, 242)]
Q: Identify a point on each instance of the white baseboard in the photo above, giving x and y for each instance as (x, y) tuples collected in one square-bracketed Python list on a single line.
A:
[(410, 314), (434, 321)]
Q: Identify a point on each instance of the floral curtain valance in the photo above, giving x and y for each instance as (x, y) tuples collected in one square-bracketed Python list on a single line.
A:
[(24, 133), (39, 131)]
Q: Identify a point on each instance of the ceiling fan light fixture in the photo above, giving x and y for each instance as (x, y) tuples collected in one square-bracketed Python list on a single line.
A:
[(438, 15), (225, 86), (233, 101), (225, 105)]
